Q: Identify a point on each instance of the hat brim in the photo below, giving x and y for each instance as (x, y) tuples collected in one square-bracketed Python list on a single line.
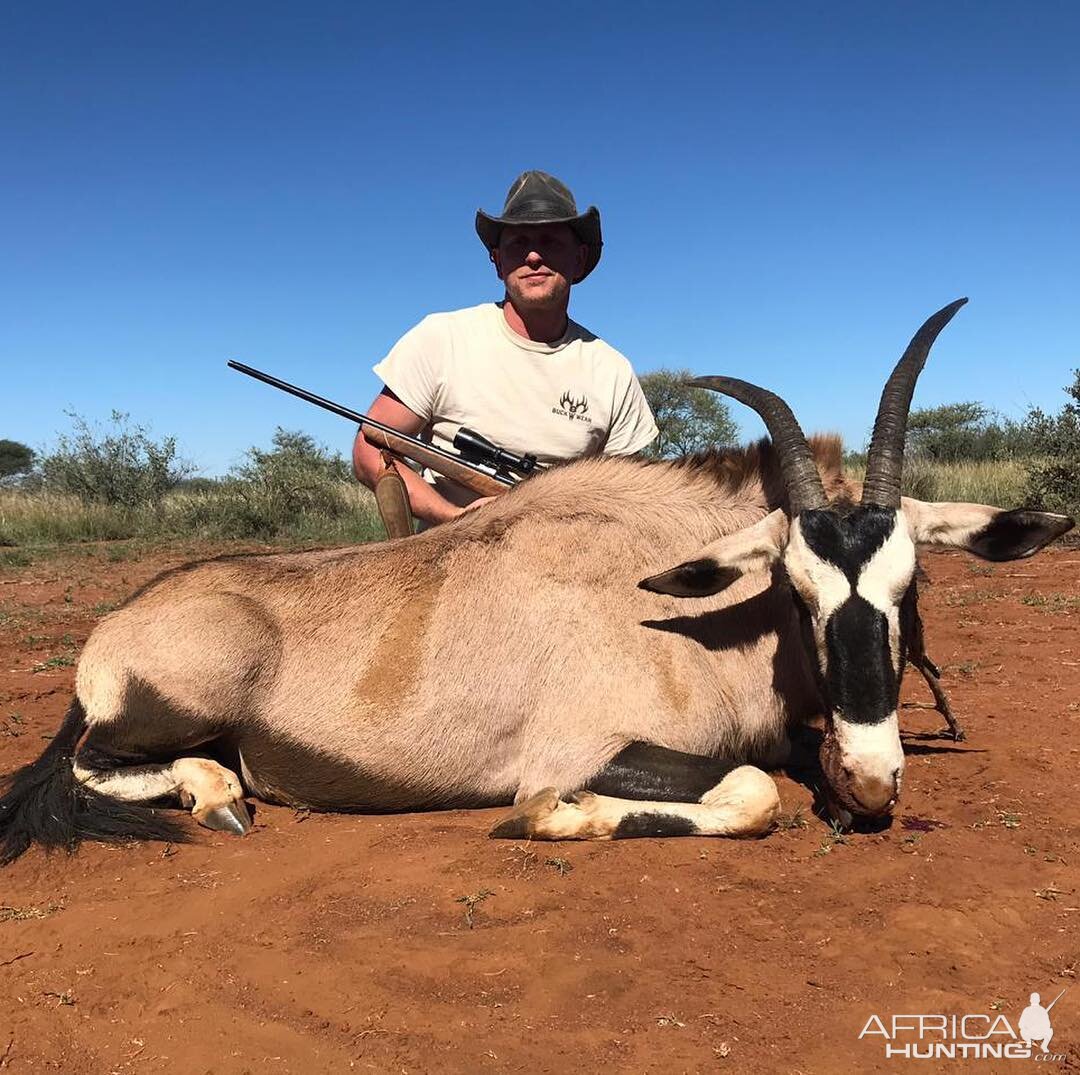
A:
[(586, 227)]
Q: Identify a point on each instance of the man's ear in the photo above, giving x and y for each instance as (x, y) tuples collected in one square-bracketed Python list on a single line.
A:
[(988, 532), (720, 563), (493, 256)]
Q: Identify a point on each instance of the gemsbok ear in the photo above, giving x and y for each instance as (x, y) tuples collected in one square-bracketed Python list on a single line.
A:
[(989, 533), (721, 562)]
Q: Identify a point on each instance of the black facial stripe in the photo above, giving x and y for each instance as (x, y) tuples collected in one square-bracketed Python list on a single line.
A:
[(847, 540), (861, 680)]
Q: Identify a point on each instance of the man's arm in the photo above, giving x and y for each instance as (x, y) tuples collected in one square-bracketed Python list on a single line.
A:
[(633, 427), (426, 503)]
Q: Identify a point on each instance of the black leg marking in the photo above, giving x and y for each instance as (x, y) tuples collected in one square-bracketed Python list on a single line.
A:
[(656, 774), (103, 763), (635, 825)]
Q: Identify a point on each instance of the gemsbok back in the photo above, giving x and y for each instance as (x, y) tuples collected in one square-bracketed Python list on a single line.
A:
[(513, 656)]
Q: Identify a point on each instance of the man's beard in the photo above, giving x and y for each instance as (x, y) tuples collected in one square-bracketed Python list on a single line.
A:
[(552, 299)]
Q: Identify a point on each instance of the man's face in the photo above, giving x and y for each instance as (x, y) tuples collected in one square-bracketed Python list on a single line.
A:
[(537, 263)]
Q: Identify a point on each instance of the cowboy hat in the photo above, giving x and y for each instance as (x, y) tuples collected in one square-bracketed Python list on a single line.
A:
[(538, 198)]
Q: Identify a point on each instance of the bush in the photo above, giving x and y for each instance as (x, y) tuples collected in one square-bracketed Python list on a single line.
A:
[(294, 492), (42, 519), (965, 431), (124, 468), (273, 490), (198, 485), (1053, 479), (237, 510)]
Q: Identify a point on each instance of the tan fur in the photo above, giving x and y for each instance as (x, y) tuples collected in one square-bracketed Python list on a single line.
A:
[(478, 662), (386, 680)]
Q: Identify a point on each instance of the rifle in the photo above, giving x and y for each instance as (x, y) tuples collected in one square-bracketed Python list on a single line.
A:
[(479, 464)]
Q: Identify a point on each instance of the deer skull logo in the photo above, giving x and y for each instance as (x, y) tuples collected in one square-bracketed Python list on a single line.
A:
[(574, 406)]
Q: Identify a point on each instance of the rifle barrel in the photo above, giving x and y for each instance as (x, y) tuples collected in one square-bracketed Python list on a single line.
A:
[(364, 420)]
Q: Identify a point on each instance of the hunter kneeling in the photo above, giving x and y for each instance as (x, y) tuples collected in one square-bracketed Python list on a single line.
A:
[(519, 371)]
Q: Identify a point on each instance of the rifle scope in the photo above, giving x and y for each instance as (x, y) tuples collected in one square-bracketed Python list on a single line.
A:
[(478, 448)]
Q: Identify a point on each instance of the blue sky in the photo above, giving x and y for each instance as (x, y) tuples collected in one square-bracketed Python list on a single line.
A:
[(787, 190)]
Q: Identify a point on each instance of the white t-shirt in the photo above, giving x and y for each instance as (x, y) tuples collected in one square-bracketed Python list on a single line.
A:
[(577, 396)]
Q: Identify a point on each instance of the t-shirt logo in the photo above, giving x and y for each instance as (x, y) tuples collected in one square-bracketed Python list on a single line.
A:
[(577, 410)]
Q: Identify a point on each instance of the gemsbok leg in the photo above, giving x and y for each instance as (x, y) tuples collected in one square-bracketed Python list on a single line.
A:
[(213, 793), (648, 790)]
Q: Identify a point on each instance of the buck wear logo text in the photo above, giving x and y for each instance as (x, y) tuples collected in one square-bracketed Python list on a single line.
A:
[(577, 410)]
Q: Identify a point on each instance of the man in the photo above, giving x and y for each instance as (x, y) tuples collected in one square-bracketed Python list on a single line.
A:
[(1035, 1022), (519, 371)]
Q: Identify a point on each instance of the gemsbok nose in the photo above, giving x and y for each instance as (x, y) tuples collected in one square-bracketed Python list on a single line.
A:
[(875, 794)]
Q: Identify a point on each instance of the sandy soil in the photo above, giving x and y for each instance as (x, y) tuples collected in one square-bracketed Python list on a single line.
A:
[(413, 944)]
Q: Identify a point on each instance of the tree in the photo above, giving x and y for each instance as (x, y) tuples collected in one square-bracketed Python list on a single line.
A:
[(689, 419), (15, 458), (1053, 478)]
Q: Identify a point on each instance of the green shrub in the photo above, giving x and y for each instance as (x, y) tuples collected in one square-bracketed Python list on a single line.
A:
[(126, 486), (124, 467), (956, 432), (1053, 480), (272, 490), (29, 520)]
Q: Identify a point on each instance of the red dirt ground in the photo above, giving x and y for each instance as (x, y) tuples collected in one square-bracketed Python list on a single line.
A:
[(322, 943)]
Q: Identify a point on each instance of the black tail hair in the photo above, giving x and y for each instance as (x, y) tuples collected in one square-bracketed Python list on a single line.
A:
[(44, 804)]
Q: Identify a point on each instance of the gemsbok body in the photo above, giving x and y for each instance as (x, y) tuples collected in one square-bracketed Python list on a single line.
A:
[(515, 656)]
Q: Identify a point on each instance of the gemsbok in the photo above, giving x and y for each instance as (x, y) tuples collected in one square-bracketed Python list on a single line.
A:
[(513, 656)]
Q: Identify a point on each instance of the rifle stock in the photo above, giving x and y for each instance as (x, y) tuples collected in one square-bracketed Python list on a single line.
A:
[(406, 448)]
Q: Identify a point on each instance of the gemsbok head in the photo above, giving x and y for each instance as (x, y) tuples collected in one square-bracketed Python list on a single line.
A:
[(850, 566)]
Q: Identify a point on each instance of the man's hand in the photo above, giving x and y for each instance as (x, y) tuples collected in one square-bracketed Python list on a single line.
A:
[(476, 504), (426, 503)]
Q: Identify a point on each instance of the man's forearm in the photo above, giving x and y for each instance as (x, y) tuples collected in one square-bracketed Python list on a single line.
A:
[(426, 502)]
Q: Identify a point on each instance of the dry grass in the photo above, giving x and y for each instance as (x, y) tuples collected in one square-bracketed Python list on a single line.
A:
[(1000, 484), (34, 520)]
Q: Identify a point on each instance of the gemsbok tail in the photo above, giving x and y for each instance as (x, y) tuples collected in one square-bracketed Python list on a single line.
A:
[(43, 803)]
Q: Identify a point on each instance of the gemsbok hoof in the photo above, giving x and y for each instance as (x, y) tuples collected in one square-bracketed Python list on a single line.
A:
[(232, 817), (522, 823)]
